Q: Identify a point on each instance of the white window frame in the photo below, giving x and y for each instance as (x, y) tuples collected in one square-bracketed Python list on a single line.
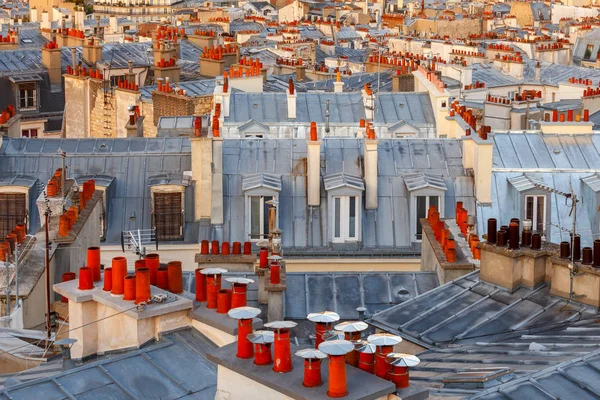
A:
[(28, 107), (262, 194), (534, 211), (413, 212), (344, 236)]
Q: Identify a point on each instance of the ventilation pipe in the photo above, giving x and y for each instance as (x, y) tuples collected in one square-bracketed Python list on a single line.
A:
[(336, 350), (244, 315), (314, 167), (262, 341), (312, 366), (323, 321), (370, 159), (282, 353)]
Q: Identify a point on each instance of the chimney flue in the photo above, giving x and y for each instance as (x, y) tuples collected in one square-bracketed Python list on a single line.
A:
[(491, 230), (337, 350), (282, 353), (501, 238), (565, 250), (526, 235), (323, 321), (536, 241), (576, 247), (513, 235), (244, 315), (587, 256), (262, 346), (312, 366), (596, 263)]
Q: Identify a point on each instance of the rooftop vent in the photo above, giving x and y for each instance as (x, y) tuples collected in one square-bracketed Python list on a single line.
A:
[(479, 378)]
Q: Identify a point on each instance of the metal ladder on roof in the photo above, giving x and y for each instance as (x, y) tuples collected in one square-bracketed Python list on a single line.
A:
[(108, 108)]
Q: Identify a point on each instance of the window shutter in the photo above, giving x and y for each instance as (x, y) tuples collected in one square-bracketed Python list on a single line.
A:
[(13, 211), (168, 216)]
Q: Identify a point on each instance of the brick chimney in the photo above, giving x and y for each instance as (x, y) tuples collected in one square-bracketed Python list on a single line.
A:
[(314, 167), (291, 100)]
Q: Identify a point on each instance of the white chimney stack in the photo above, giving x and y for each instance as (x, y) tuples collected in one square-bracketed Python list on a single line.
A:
[(291, 100), (314, 167)]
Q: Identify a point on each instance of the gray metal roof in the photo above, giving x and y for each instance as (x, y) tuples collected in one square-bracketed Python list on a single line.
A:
[(593, 181), (341, 292), (344, 108), (385, 229), (340, 179), (556, 161), (193, 88), (468, 310), (253, 181), (424, 180), (130, 161), (174, 367)]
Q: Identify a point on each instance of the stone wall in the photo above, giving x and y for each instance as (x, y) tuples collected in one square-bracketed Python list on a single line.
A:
[(171, 105), (102, 122), (523, 13)]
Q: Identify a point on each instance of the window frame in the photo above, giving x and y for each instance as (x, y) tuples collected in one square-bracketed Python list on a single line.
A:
[(534, 212), (344, 223), (262, 193), (168, 189), (33, 86), (413, 208), (19, 190)]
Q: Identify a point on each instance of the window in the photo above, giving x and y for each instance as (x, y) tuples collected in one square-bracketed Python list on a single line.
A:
[(259, 217), (422, 205), (27, 96), (33, 133), (535, 210), (13, 211), (345, 218), (168, 215), (253, 135)]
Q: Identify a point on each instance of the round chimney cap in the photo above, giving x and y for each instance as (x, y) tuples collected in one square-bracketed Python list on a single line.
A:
[(280, 324), (238, 279), (361, 309), (384, 339), (262, 243), (336, 347), (323, 317), (311, 354), (351, 326), (403, 360), (363, 346), (261, 337), (213, 271), (243, 312), (275, 258)]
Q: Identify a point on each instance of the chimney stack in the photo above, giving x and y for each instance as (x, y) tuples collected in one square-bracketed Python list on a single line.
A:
[(314, 167), (291, 100), (338, 85), (51, 60), (370, 159), (92, 51), (300, 71)]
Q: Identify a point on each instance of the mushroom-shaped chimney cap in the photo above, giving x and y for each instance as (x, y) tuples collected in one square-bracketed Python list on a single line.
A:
[(403, 360), (351, 326), (384, 339), (261, 337), (213, 271), (243, 312), (311, 354), (275, 258), (280, 325), (336, 347), (323, 316), (362, 346), (262, 243), (240, 280)]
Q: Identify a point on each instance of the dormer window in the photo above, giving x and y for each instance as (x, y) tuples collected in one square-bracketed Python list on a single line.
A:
[(534, 201), (259, 190), (27, 96), (168, 205), (344, 193), (426, 190)]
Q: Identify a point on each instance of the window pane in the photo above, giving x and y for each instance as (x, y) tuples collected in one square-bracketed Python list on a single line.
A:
[(540, 213), (421, 200), (255, 217), (529, 208), (352, 217), (434, 201), (337, 205), (266, 214)]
